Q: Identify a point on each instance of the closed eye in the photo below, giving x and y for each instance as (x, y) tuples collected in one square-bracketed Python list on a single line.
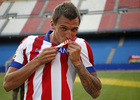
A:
[(74, 29), (63, 28)]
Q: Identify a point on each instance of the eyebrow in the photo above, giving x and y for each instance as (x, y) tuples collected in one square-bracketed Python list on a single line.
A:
[(67, 27), (63, 26)]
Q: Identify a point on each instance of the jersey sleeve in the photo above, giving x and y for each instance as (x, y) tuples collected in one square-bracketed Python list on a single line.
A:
[(87, 56), (20, 59)]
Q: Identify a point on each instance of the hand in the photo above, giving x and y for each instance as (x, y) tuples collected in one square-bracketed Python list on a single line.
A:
[(47, 55), (74, 51)]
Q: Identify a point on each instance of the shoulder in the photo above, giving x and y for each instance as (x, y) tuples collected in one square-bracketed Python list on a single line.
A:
[(82, 42), (32, 38)]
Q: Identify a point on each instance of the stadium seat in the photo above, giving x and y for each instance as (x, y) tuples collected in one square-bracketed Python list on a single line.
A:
[(75, 2), (14, 26), (101, 48), (130, 47), (46, 26), (93, 5), (90, 23), (3, 7), (22, 7), (98, 22), (38, 7), (130, 20), (52, 4), (5, 48), (122, 54), (31, 25), (109, 5), (108, 22), (129, 3), (2, 21)]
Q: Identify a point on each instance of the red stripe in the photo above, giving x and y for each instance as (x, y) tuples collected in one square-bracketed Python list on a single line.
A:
[(30, 90), (36, 45), (64, 68), (46, 83), (25, 57), (1, 3), (90, 54)]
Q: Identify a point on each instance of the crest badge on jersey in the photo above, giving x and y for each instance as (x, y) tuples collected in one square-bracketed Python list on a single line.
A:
[(15, 53)]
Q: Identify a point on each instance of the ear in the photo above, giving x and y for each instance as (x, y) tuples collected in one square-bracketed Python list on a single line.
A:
[(52, 25)]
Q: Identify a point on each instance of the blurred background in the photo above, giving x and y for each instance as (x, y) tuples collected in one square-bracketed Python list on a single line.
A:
[(111, 27)]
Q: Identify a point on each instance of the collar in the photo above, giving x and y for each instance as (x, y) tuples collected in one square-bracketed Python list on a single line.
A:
[(46, 38)]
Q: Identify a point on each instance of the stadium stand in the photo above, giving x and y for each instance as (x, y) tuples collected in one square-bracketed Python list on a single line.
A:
[(14, 26), (76, 2), (93, 5), (98, 22), (101, 48), (31, 26), (22, 7), (90, 23), (108, 21), (37, 7), (130, 20), (110, 26), (109, 5), (3, 7), (52, 4), (46, 26), (2, 21), (129, 3)]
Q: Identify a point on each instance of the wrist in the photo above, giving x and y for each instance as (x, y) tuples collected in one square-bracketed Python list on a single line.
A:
[(37, 61), (77, 64)]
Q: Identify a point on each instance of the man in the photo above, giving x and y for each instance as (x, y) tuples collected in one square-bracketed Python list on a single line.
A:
[(50, 72), (15, 92)]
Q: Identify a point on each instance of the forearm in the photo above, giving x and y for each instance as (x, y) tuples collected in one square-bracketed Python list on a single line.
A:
[(14, 78), (90, 83)]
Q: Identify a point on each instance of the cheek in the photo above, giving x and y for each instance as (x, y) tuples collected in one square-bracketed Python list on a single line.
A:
[(74, 33), (61, 34)]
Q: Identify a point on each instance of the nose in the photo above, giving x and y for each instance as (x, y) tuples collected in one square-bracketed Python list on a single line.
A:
[(69, 34)]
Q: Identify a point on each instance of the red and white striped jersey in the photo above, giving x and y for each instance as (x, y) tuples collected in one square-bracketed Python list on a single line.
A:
[(54, 80)]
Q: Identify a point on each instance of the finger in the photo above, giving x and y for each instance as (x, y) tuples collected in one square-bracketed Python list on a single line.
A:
[(50, 50)]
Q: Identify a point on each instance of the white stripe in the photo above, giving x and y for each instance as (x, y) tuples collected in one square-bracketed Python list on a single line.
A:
[(84, 52), (37, 83), (56, 78), (29, 45)]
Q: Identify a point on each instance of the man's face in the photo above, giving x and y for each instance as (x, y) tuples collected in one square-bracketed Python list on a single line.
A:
[(65, 29)]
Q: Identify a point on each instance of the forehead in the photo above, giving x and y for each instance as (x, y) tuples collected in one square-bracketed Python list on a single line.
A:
[(65, 21)]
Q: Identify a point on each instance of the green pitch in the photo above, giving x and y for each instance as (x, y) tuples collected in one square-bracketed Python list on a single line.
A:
[(115, 86)]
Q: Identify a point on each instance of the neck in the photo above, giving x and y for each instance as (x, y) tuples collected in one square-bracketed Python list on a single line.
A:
[(53, 39)]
